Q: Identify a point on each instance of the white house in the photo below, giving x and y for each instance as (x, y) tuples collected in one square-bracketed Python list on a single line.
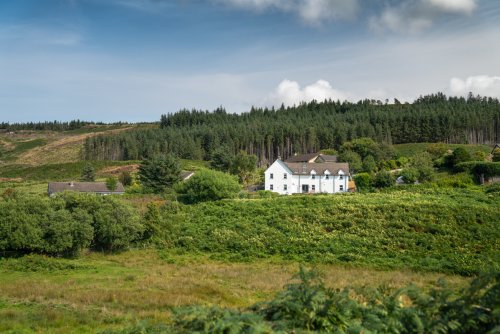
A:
[(292, 178)]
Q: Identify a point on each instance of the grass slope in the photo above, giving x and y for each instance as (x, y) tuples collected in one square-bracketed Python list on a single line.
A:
[(97, 291), (429, 229), (411, 149)]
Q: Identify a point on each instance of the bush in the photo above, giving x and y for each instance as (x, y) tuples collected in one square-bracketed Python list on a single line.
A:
[(41, 225), (383, 179), (410, 175), (363, 181), (208, 185)]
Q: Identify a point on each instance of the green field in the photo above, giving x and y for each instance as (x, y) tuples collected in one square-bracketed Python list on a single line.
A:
[(412, 149)]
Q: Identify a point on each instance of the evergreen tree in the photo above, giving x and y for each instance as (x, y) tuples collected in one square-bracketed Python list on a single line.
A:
[(88, 173), (160, 172)]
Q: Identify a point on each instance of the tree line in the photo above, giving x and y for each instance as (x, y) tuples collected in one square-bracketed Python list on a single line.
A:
[(270, 133)]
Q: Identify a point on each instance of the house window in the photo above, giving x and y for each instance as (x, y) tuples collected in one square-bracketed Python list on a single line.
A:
[(313, 188), (285, 187), (341, 177), (313, 176), (271, 176), (341, 187), (285, 176), (327, 177), (271, 186)]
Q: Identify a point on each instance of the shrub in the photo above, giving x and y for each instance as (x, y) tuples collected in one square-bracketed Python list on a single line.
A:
[(410, 175), (111, 183), (383, 179), (363, 181), (208, 185)]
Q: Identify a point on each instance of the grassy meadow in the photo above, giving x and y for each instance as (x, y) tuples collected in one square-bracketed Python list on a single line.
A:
[(98, 291), (236, 253)]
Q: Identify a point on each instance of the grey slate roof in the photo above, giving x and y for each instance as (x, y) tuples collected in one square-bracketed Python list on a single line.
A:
[(328, 158), (85, 187), (302, 157), (319, 168), (312, 157)]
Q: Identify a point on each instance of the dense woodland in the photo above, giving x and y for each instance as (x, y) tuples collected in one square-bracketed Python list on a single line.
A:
[(269, 133), (48, 125)]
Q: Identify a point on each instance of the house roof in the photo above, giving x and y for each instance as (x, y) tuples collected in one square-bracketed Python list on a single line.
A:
[(303, 157), (319, 168), (328, 158), (86, 187), (312, 157)]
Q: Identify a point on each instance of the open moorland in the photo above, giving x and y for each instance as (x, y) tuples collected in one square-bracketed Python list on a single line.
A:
[(150, 262)]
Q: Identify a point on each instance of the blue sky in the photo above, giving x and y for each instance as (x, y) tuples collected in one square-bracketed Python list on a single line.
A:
[(132, 60)]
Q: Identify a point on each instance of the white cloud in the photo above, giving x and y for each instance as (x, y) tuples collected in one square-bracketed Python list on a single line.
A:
[(290, 93), (483, 85), (414, 16), (454, 6), (311, 11)]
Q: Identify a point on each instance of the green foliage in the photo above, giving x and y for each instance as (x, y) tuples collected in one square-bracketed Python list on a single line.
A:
[(459, 155), (160, 172), (383, 179), (88, 173), (353, 158), (208, 185), (111, 183), (126, 178), (496, 155), (369, 164), (243, 165), (222, 159), (66, 224), (423, 228), (35, 224), (410, 175), (273, 132), (436, 150), (40, 263), (477, 168), (423, 165), (363, 181), (308, 306)]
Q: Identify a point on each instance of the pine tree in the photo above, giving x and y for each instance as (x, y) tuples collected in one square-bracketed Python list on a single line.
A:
[(88, 173)]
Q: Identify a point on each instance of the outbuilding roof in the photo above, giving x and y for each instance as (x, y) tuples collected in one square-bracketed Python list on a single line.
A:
[(319, 168), (85, 187)]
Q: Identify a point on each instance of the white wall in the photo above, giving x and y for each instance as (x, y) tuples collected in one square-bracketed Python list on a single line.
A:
[(294, 183)]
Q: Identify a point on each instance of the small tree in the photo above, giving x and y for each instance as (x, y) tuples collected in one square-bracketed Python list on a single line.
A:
[(243, 165), (459, 155), (369, 164), (126, 178), (88, 173), (208, 185), (111, 183), (353, 158), (410, 175), (160, 172)]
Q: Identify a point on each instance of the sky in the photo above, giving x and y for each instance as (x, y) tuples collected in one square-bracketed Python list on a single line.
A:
[(133, 60)]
